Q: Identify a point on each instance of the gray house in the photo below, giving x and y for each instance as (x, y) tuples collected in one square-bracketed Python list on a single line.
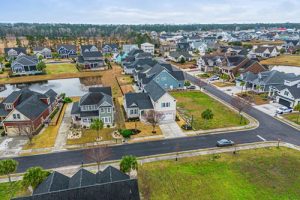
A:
[(13, 53), (67, 51), (42, 51), (96, 104), (135, 104), (25, 65)]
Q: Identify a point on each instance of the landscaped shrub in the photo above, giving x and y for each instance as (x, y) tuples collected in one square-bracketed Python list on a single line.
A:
[(187, 83), (54, 113), (67, 100), (126, 133)]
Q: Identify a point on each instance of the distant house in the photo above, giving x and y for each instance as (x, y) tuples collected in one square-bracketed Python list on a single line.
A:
[(177, 56), (42, 51), (148, 48), (110, 48), (165, 49), (25, 65), (154, 98), (233, 64), (13, 53), (66, 51), (129, 47), (96, 104), (120, 57), (199, 46), (183, 46), (266, 52), (207, 63), (130, 66), (108, 184), (90, 58), (26, 110)]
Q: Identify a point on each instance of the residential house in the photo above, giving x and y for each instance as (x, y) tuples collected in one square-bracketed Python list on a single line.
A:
[(130, 66), (266, 51), (90, 58), (154, 98), (108, 184), (129, 47), (165, 49), (120, 57), (66, 51), (208, 63), (233, 64), (178, 56), (163, 74), (26, 110), (96, 104), (183, 46), (287, 94), (42, 51), (263, 81), (110, 48), (148, 48), (13, 53), (25, 65), (201, 47)]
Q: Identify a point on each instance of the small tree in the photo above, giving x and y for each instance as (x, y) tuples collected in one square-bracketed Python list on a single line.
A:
[(297, 108), (187, 83), (97, 125), (241, 105), (34, 176), (153, 117), (98, 155), (242, 84), (182, 60), (7, 167), (128, 163), (26, 130), (41, 66), (207, 115), (40, 58)]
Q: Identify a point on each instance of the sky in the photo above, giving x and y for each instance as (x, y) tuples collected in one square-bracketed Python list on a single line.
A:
[(150, 11)]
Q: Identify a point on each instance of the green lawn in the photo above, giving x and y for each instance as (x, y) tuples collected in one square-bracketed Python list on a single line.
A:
[(269, 173), (293, 117), (61, 68), (17, 190), (195, 102)]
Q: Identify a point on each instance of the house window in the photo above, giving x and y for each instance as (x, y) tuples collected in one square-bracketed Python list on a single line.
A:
[(106, 120), (102, 110), (108, 110), (14, 116), (18, 116)]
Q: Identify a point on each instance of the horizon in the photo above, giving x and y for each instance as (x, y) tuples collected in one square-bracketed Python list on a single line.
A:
[(133, 12)]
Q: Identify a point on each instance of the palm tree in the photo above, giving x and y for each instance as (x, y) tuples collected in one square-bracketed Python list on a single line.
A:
[(207, 115), (297, 108), (128, 163), (97, 125), (7, 167), (34, 176)]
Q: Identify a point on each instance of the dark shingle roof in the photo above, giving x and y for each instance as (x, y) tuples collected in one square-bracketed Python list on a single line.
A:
[(82, 178), (67, 46), (51, 94), (26, 60), (91, 54), (17, 49), (179, 75), (96, 96), (154, 90), (54, 182), (105, 90), (177, 54), (12, 97), (140, 100), (111, 174)]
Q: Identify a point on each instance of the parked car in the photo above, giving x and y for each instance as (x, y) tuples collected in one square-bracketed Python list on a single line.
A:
[(224, 143), (191, 87), (187, 127), (214, 78), (283, 110)]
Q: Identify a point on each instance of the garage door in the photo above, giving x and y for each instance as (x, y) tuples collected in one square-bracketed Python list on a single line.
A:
[(284, 102), (168, 117)]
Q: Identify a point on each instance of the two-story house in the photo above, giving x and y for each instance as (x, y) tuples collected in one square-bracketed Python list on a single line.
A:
[(148, 48), (25, 65), (13, 53), (154, 98), (266, 51), (178, 56), (96, 104), (42, 51), (129, 47), (90, 58), (66, 51), (26, 110), (110, 48)]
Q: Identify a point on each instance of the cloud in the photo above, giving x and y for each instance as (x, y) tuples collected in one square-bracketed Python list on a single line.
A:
[(150, 11)]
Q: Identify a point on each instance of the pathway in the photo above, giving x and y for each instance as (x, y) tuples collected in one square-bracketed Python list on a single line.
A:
[(171, 130), (62, 135)]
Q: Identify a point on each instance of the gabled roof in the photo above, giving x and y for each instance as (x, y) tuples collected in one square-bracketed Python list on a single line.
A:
[(177, 54), (111, 174), (91, 54), (51, 94), (54, 182), (105, 90), (82, 178), (294, 90), (140, 100), (40, 48), (133, 52), (67, 46), (17, 49), (112, 46), (87, 47), (26, 60), (96, 96), (154, 90)]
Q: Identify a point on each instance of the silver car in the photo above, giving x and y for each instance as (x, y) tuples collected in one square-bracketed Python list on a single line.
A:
[(225, 143)]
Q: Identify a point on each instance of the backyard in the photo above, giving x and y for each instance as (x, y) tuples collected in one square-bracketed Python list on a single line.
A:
[(286, 60), (61, 68), (269, 173), (194, 103)]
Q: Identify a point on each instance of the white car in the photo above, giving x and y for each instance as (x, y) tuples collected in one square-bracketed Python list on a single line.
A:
[(283, 110)]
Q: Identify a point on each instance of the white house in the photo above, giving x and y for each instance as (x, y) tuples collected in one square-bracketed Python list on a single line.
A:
[(148, 48), (129, 47), (42, 51), (266, 51)]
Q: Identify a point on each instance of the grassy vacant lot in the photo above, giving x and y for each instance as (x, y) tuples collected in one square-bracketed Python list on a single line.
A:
[(258, 99), (194, 103), (89, 136), (269, 173), (293, 117), (286, 60), (124, 80), (61, 68), (261, 42), (17, 190), (47, 137), (223, 84)]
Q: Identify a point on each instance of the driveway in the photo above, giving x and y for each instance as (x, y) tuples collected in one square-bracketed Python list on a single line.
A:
[(171, 130), (269, 109), (11, 146)]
